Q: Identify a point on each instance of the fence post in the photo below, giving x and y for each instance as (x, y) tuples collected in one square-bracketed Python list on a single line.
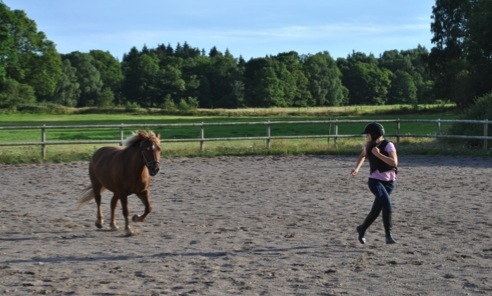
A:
[(485, 134), (43, 140), (202, 137), (336, 133), (438, 127), (329, 133), (398, 129), (122, 134), (267, 125)]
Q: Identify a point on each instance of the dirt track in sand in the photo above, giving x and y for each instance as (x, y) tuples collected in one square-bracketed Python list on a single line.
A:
[(251, 226)]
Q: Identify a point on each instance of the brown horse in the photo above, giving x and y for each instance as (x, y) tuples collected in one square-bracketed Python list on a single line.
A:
[(124, 171)]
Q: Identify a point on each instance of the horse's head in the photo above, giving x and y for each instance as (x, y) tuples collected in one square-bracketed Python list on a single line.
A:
[(151, 152)]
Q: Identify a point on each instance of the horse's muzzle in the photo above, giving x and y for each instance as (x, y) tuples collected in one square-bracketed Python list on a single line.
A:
[(153, 170)]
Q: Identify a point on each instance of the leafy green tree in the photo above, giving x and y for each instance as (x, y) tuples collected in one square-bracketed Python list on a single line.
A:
[(140, 82), (421, 74), (43, 69), (262, 86), (7, 51), (110, 71), (170, 82), (88, 78), (186, 51), (169, 104), (404, 77), (325, 80), (448, 57), (229, 81), (461, 60), (479, 45), (286, 66), (68, 89), (14, 94), (214, 52), (367, 83), (106, 98), (26, 56), (131, 56), (291, 71), (395, 60), (220, 81), (270, 89), (163, 51), (302, 96), (403, 89)]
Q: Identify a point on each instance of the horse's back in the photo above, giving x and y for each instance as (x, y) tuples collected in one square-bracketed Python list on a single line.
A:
[(105, 155)]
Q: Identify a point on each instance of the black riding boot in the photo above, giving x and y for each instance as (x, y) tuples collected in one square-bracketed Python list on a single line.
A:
[(361, 229), (387, 227)]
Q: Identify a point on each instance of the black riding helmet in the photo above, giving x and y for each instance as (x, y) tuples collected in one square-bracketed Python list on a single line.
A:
[(375, 129)]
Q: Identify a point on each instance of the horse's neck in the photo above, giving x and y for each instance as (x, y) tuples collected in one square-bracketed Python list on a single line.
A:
[(132, 156)]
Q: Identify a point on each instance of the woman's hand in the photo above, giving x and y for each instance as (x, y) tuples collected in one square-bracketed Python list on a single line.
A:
[(375, 150)]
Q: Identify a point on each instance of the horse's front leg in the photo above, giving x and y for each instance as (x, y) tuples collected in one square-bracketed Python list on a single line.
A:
[(114, 203), (144, 197), (126, 213)]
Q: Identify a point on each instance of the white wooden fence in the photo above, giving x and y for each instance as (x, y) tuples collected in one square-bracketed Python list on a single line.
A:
[(268, 137)]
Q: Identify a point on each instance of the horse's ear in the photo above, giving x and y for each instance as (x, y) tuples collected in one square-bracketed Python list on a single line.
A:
[(158, 135)]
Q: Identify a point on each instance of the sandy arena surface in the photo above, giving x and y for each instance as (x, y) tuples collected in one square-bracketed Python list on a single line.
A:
[(251, 226)]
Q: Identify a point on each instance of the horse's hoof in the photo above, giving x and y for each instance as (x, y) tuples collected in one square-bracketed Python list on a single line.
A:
[(99, 224), (136, 218), (114, 227), (129, 232)]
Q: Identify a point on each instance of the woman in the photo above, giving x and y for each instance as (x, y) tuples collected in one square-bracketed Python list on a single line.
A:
[(383, 161)]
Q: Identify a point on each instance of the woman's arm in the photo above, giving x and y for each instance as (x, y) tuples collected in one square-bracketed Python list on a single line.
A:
[(391, 160), (360, 161)]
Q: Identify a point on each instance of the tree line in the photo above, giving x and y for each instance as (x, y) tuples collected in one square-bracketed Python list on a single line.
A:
[(457, 69)]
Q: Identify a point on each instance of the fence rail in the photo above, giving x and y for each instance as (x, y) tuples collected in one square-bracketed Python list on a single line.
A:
[(268, 137)]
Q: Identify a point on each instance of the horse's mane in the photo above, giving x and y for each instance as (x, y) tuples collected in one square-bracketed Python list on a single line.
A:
[(141, 135)]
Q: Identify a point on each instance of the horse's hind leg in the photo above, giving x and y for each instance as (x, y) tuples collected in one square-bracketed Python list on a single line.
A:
[(114, 203), (126, 213), (97, 197)]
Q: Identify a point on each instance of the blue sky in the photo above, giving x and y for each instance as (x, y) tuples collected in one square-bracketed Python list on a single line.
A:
[(253, 28)]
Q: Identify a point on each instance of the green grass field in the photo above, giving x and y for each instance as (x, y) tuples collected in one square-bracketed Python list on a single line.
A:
[(218, 116), (16, 154)]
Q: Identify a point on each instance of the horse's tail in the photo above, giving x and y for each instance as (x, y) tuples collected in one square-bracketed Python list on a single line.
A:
[(87, 195)]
